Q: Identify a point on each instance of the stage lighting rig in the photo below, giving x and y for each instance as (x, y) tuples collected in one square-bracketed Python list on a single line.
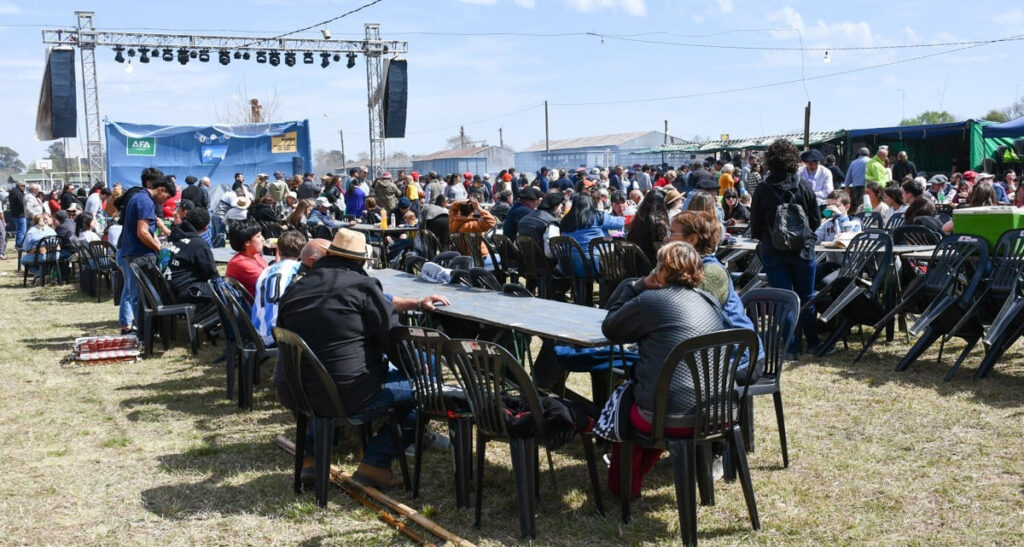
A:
[(307, 57), (351, 60), (183, 56), (261, 57), (225, 56), (289, 58), (131, 52), (275, 58), (168, 54), (119, 54), (204, 56), (143, 54), (325, 60)]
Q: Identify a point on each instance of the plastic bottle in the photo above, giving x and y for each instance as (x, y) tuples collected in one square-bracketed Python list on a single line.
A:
[(867, 204), (384, 221)]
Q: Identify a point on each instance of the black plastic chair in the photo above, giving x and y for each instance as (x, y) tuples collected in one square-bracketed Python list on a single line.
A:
[(250, 347), (617, 260), (271, 229), (565, 249), (44, 262), (710, 365), (233, 335), (444, 259), (484, 279), (488, 374), (774, 313), (242, 289), (461, 278), (419, 354), (914, 234), (855, 296), (534, 266), (413, 264), (87, 278), (468, 244), (871, 221), (105, 256), (506, 268), (428, 244), (461, 263), (942, 295), (515, 289), (152, 309), (895, 221), (999, 304), (302, 368)]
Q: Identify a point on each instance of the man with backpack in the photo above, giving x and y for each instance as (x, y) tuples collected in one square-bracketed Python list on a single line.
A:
[(783, 218)]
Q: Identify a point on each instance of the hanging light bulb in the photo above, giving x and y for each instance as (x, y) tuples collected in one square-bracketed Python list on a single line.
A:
[(828, 58)]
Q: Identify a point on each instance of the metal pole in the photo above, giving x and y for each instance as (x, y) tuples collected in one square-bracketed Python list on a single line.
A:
[(547, 133), (501, 138), (341, 135), (666, 131), (807, 126), (374, 79), (91, 97)]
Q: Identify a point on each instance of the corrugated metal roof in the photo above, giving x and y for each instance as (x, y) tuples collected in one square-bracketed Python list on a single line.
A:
[(749, 143), (615, 139), (471, 152)]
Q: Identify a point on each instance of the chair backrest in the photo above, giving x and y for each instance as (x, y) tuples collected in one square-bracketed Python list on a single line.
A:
[(150, 299), (532, 261), (565, 249), (243, 320), (445, 258), (271, 229), (249, 298), (462, 262), (957, 263), (1008, 264), (871, 221), (413, 264), (301, 365), (419, 354), (711, 360), (484, 279), (515, 289), (429, 245), (914, 234), (104, 254), (895, 221), (468, 244), (637, 264), (507, 250), (462, 278), (608, 253), (486, 371), (774, 315), (869, 248), (227, 315), (50, 244)]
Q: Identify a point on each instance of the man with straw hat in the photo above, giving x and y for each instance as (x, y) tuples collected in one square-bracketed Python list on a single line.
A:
[(345, 317)]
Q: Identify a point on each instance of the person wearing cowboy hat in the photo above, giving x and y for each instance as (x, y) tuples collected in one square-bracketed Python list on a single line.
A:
[(345, 318)]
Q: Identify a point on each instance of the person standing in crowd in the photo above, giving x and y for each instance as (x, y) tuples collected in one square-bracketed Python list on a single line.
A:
[(355, 197), (855, 175), (246, 239), (584, 222), (467, 217), (273, 281), (194, 192), (94, 202), (792, 269), (67, 196), (260, 188), (876, 168), (903, 167), (278, 188), (818, 178), (386, 192), (309, 190), (16, 201), (137, 244), (725, 179), (189, 262), (239, 182), (34, 201), (455, 190), (838, 177)]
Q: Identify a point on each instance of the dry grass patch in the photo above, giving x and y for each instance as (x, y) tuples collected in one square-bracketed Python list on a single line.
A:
[(152, 453)]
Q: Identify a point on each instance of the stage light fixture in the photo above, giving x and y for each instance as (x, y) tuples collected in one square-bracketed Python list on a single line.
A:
[(337, 57), (326, 32), (204, 56), (143, 54), (289, 58), (245, 56), (183, 56), (275, 58), (119, 54), (325, 60), (168, 54), (261, 57), (307, 57), (193, 54), (131, 52), (238, 55), (224, 56), (351, 60)]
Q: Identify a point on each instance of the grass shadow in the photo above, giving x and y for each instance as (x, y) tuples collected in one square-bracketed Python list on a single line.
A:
[(60, 343)]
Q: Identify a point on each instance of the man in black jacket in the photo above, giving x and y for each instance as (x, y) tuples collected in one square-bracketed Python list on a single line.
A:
[(186, 259), (16, 201), (528, 199), (195, 193)]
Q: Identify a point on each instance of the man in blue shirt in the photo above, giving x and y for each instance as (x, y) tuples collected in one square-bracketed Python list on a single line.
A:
[(855, 176), (137, 243)]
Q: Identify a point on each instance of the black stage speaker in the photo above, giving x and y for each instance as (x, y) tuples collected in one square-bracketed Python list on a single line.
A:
[(57, 117), (297, 165), (396, 97)]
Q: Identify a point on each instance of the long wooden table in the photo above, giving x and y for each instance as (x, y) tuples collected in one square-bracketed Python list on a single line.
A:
[(548, 319)]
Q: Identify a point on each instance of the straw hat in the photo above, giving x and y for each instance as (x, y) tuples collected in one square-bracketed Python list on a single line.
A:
[(347, 244), (242, 203), (672, 196)]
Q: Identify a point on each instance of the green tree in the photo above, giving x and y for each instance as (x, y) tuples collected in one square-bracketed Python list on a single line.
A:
[(55, 153), (929, 117), (9, 162), (996, 115)]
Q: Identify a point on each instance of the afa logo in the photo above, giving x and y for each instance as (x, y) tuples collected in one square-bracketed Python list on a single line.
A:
[(145, 146)]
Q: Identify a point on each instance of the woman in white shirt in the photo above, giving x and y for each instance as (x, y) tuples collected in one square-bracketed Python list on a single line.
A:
[(85, 229)]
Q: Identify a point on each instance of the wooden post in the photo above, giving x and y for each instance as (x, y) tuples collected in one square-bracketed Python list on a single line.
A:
[(344, 164), (807, 126), (501, 138), (547, 134)]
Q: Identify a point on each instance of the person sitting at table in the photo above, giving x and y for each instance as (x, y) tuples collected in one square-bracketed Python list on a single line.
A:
[(272, 283), (733, 210), (263, 211), (919, 213), (371, 212), (41, 227), (874, 193), (297, 218), (187, 261), (404, 206), (836, 221), (892, 196), (583, 223), (434, 218), (86, 229), (467, 217), (658, 312), (650, 225), (320, 216), (345, 317), (246, 238)]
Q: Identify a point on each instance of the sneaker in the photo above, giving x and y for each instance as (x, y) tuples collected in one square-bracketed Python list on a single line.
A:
[(431, 441), (717, 469)]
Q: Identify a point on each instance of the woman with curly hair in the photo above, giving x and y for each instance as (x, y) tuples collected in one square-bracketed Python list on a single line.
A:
[(791, 269)]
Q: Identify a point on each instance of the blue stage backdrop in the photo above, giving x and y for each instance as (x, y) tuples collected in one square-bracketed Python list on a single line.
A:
[(217, 151)]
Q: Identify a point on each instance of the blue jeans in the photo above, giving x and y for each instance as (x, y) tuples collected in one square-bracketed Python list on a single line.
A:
[(22, 226), (28, 260), (396, 392), (130, 291), (788, 270)]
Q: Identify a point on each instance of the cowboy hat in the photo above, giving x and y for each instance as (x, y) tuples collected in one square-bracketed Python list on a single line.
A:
[(347, 244)]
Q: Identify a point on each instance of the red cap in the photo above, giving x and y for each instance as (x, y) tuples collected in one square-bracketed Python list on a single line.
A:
[(467, 175), (415, 175), (970, 175), (386, 174)]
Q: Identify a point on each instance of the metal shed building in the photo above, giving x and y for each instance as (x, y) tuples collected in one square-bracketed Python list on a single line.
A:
[(477, 160), (600, 150)]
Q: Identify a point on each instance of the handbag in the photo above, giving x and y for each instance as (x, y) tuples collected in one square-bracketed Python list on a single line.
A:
[(613, 423)]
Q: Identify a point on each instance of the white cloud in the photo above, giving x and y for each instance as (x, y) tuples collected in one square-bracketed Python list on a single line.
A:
[(9, 8), (847, 33), (636, 8), (725, 6), (1012, 18), (528, 4), (480, 2)]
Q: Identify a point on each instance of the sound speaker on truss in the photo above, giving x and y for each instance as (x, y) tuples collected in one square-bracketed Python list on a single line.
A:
[(396, 97), (57, 116)]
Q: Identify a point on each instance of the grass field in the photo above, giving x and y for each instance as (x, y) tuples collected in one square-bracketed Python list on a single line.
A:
[(152, 453)]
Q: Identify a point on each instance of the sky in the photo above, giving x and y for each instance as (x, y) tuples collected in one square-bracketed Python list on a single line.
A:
[(474, 63)]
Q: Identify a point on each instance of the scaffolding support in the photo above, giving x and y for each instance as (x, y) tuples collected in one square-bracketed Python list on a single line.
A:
[(90, 96), (375, 99)]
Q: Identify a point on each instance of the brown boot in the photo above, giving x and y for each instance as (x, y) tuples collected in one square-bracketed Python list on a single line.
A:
[(308, 475), (380, 478)]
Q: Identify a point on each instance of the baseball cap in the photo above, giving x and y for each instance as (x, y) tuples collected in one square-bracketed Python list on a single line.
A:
[(529, 193), (323, 202)]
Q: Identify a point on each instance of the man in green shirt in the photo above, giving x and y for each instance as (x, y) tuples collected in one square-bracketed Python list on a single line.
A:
[(875, 169)]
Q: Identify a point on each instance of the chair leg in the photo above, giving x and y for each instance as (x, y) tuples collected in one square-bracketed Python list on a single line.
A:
[(625, 477), (323, 442), (705, 480), (481, 449), (193, 338), (747, 423), (781, 419), (923, 343), (683, 468), (744, 470), (522, 464), (245, 389), (456, 431), (403, 463), (595, 485), (229, 367), (421, 426), (963, 356), (300, 449)]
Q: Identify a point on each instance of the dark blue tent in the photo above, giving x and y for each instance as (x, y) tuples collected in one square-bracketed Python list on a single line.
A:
[(1012, 128)]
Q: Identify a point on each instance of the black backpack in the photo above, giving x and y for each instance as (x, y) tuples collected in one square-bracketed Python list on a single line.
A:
[(791, 231), (122, 201)]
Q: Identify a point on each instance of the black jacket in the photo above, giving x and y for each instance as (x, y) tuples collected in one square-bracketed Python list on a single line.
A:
[(901, 169), (196, 194), (262, 212), (345, 318), (536, 223), (767, 198), (511, 225), (66, 233), (66, 199), (191, 260), (930, 222), (307, 190), (16, 200)]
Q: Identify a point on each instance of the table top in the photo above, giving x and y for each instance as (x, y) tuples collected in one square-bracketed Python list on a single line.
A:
[(376, 229), (742, 244), (559, 321), (223, 255)]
